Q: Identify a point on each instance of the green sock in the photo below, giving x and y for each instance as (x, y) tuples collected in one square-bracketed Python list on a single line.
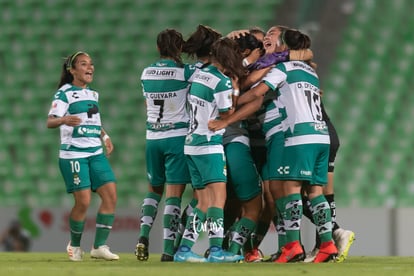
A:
[(244, 228), (171, 221), (195, 224), (257, 236), (188, 211), (228, 232), (215, 226), (103, 227), (148, 213), (280, 222), (76, 230), (293, 219), (261, 230), (322, 217)]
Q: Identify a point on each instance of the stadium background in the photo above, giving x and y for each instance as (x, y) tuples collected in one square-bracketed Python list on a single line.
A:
[(364, 50)]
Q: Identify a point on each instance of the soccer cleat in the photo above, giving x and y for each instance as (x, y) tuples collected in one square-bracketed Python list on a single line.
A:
[(206, 253), (167, 258), (327, 252), (292, 252), (103, 252), (75, 253), (310, 256), (141, 249), (218, 255), (273, 257), (184, 254), (254, 256), (343, 241)]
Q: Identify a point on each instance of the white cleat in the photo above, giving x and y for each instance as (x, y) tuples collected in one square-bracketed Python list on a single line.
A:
[(311, 255), (75, 253), (103, 252), (343, 241)]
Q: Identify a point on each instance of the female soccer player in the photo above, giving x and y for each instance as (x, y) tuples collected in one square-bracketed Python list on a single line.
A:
[(82, 162), (274, 128), (210, 97), (165, 86), (197, 47), (305, 155)]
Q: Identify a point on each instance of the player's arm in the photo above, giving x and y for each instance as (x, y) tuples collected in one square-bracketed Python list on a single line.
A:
[(252, 102), (254, 76), (70, 120), (252, 94), (107, 142), (241, 114)]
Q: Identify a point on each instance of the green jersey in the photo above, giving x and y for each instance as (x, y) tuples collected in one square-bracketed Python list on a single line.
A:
[(165, 86), (300, 94), (83, 140), (210, 94)]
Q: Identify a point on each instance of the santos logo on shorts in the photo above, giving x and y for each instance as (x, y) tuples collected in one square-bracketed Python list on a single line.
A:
[(308, 173), (283, 170)]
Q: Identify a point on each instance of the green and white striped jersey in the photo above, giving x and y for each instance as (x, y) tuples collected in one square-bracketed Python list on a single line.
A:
[(83, 140), (210, 94), (272, 112), (165, 87), (300, 94)]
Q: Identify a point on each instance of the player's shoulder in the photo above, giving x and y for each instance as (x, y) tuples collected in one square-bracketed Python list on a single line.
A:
[(66, 88)]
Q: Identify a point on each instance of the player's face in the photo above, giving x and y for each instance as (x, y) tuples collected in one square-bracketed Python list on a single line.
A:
[(82, 71), (271, 41)]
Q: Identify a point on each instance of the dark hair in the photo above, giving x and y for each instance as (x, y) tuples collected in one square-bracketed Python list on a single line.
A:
[(170, 43), (70, 62), (295, 39), (248, 41), (199, 43), (257, 30), (226, 52)]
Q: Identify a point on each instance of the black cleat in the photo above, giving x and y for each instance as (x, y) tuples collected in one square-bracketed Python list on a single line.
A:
[(141, 250), (167, 258)]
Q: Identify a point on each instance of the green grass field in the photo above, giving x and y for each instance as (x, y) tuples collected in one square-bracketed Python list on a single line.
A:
[(33, 264)]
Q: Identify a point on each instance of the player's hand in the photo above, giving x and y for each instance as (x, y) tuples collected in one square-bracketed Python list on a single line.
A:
[(254, 55), (108, 146), (235, 82), (71, 120), (215, 125), (238, 33)]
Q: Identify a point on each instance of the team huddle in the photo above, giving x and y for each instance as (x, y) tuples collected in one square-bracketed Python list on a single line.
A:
[(242, 125)]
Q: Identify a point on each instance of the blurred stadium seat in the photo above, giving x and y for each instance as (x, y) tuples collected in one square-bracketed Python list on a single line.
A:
[(120, 35), (371, 105), (368, 93)]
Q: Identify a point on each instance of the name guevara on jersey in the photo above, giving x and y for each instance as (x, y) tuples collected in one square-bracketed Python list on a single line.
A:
[(160, 96)]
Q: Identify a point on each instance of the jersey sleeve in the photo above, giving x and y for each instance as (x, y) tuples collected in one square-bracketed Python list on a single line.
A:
[(274, 78), (223, 95), (59, 105), (189, 72)]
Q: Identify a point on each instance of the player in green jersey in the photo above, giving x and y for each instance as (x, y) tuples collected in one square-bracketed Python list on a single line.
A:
[(198, 48), (165, 85), (210, 97), (343, 238), (306, 148), (273, 125), (83, 164)]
